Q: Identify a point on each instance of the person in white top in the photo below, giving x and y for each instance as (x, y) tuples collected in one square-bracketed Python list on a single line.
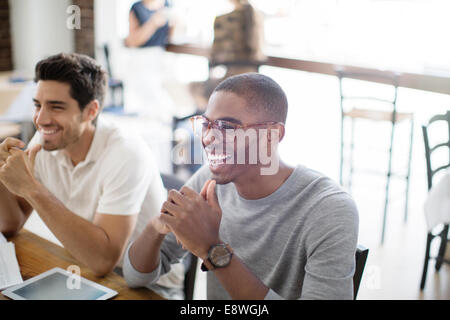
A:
[(94, 185)]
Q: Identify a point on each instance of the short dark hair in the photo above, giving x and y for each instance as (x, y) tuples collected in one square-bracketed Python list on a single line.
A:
[(260, 92), (85, 76)]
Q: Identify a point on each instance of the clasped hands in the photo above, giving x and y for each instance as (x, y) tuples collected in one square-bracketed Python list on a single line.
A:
[(193, 218), (17, 166)]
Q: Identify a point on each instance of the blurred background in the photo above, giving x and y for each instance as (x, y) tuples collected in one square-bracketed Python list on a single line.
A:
[(377, 68)]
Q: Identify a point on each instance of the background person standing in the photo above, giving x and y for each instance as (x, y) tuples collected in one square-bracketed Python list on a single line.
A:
[(149, 31)]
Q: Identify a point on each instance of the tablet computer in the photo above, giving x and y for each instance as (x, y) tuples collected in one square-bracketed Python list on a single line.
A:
[(54, 284)]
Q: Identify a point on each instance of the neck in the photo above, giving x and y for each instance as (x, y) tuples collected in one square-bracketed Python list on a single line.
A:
[(253, 185), (78, 151)]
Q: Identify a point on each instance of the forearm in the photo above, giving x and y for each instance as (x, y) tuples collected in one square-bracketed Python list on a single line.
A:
[(144, 253), (12, 216), (240, 282), (87, 242)]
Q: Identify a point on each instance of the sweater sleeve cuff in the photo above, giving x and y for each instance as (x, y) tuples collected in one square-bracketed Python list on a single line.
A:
[(136, 279)]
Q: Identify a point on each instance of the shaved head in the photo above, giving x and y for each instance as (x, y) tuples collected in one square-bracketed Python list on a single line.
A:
[(263, 95)]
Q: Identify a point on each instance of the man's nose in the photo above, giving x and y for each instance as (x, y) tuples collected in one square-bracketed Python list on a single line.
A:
[(212, 136), (43, 117), (206, 137)]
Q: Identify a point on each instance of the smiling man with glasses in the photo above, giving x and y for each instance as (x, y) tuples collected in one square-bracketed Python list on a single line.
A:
[(236, 143), (289, 233)]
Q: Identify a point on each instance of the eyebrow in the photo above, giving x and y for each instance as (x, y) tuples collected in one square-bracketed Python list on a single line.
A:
[(229, 119), (50, 101)]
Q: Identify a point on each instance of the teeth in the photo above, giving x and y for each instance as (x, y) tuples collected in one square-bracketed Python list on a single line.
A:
[(217, 158), (48, 131)]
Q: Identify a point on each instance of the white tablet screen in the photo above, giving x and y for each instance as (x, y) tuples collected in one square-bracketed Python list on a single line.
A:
[(52, 285)]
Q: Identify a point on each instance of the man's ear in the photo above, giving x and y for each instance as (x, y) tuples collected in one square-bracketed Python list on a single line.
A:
[(92, 110), (280, 130)]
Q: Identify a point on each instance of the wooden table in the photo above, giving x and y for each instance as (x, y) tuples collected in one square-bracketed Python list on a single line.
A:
[(36, 255)]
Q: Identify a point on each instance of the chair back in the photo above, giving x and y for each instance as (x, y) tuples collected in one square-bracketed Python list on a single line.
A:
[(190, 143), (366, 99), (360, 261), (430, 149), (108, 63), (172, 182)]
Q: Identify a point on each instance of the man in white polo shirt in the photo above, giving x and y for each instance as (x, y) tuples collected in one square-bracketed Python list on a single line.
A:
[(94, 185)]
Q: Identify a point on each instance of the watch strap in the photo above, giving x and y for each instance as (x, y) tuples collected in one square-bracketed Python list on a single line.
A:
[(207, 265)]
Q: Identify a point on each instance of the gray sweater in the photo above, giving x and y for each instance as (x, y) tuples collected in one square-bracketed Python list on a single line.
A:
[(300, 240)]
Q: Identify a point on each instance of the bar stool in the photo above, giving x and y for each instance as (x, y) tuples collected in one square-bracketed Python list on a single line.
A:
[(359, 110)]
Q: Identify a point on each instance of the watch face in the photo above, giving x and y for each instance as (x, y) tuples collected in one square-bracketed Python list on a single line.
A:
[(220, 256)]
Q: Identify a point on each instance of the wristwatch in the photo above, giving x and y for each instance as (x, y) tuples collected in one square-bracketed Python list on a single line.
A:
[(219, 256)]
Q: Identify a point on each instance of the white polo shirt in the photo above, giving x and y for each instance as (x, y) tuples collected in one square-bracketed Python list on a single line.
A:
[(119, 176)]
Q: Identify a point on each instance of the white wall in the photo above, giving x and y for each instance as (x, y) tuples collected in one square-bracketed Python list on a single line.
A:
[(105, 22), (38, 29), (106, 32)]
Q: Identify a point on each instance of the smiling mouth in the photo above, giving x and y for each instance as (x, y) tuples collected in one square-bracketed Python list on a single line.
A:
[(217, 159), (48, 132)]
